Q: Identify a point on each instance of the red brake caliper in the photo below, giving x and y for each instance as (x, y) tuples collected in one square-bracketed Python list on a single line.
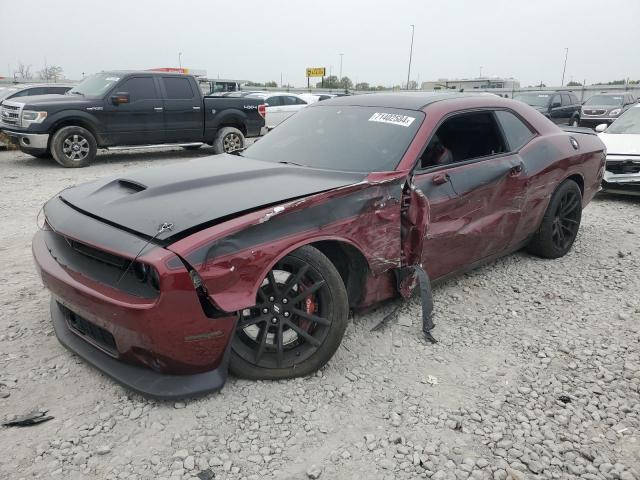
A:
[(310, 307)]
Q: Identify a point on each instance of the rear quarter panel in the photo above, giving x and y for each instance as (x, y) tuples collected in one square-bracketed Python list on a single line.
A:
[(240, 112)]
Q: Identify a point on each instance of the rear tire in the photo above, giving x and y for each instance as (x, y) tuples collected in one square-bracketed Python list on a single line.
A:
[(574, 122), (229, 139), (36, 152), (289, 333), (73, 147), (560, 223)]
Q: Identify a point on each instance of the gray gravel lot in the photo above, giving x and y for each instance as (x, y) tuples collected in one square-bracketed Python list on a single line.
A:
[(536, 375)]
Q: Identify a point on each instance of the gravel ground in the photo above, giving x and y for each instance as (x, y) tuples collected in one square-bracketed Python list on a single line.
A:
[(536, 375)]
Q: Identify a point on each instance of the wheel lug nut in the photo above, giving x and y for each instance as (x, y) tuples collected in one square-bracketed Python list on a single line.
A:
[(286, 314), (284, 300), (265, 310), (271, 299), (274, 320)]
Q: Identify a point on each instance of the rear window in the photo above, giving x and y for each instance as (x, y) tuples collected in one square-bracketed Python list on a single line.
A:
[(177, 88), (348, 138)]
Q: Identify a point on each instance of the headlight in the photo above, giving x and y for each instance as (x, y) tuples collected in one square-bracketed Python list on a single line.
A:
[(615, 112), (31, 116)]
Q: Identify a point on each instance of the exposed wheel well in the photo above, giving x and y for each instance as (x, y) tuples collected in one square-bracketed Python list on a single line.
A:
[(351, 265), (579, 180)]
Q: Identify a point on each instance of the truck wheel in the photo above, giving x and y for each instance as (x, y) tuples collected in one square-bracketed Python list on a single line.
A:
[(73, 147), (228, 140), (560, 223), (36, 152), (298, 321)]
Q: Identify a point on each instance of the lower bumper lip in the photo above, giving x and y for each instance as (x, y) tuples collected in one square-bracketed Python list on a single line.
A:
[(141, 380)]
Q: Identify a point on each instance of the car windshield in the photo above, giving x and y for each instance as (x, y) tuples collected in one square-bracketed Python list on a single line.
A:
[(629, 122), (613, 100), (6, 91), (95, 85), (347, 138), (534, 99)]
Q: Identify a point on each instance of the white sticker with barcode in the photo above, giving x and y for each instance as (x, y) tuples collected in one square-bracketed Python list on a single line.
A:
[(392, 118)]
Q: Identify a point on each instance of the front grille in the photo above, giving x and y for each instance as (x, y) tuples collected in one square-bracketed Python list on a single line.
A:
[(594, 112), (91, 332), (623, 167), (10, 114)]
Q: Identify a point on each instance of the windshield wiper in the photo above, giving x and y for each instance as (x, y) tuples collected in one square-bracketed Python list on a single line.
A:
[(71, 92)]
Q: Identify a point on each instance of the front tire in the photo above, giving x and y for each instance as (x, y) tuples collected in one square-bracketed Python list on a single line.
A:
[(229, 139), (73, 147), (560, 223), (298, 321)]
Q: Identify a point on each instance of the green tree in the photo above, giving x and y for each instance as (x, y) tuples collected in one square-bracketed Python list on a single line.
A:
[(271, 84), (574, 84), (329, 82), (254, 84), (346, 83), (413, 85), (363, 86)]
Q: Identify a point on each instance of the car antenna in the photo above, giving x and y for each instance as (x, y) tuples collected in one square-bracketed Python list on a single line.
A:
[(165, 227)]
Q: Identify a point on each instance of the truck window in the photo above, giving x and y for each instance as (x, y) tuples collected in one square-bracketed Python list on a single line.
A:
[(139, 88), (177, 88), (566, 100)]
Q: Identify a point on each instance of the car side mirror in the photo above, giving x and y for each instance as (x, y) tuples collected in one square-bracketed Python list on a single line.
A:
[(601, 128), (555, 105), (120, 98)]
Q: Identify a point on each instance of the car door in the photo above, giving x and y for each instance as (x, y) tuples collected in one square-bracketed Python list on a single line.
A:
[(556, 113), (183, 116), (466, 193), (139, 121), (291, 104), (275, 110)]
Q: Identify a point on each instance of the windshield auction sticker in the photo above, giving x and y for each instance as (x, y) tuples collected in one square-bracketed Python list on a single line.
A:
[(394, 119)]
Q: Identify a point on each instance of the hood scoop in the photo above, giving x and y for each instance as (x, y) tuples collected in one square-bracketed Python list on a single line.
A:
[(131, 185)]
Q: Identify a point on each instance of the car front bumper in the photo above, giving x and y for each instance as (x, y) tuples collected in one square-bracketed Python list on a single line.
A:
[(593, 122), (165, 347), (36, 141)]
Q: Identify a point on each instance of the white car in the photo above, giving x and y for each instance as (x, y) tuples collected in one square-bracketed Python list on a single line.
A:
[(280, 106), (622, 139)]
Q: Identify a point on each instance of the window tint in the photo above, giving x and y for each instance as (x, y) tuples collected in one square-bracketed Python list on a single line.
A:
[(30, 91), (275, 101), (556, 100), (463, 137), (515, 131), (566, 100), (574, 99), (59, 90), (177, 88), (138, 88), (291, 100)]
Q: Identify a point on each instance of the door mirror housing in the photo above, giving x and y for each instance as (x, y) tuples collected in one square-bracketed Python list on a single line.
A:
[(120, 98), (601, 128)]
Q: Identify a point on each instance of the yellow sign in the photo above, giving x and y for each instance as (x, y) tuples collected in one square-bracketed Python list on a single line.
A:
[(316, 72)]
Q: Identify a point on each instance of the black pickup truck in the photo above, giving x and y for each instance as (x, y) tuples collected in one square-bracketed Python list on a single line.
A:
[(122, 109)]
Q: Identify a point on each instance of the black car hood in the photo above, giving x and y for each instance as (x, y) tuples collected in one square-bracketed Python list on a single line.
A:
[(197, 193)]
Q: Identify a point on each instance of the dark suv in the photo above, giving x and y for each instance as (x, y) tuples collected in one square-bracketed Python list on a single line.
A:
[(560, 107), (605, 108)]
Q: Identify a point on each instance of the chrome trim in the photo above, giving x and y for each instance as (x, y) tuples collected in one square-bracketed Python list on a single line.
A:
[(158, 109), (38, 141)]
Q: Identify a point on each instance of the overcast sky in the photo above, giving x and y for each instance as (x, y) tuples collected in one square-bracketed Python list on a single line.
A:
[(260, 40)]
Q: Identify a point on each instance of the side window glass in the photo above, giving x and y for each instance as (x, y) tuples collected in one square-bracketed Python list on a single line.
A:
[(274, 101), (565, 100), (556, 101), (139, 88), (515, 130), (463, 137), (177, 88)]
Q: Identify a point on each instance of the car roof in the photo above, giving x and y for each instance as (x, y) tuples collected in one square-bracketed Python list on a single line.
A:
[(272, 94), (403, 100), (22, 86), (145, 72)]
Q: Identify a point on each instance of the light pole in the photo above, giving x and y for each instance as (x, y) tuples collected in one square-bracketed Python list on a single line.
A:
[(341, 55), (180, 59), (413, 28), (480, 72), (564, 69)]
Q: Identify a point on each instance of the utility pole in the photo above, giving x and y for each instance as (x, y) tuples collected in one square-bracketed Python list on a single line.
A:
[(180, 59), (341, 55), (480, 72), (564, 69), (413, 28)]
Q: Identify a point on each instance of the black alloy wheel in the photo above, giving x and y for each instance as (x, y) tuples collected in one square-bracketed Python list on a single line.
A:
[(298, 320), (567, 220)]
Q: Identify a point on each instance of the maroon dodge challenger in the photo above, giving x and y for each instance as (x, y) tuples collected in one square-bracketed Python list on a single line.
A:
[(167, 278)]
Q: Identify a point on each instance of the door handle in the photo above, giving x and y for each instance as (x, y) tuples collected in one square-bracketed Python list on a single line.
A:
[(158, 109), (440, 178), (196, 108)]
